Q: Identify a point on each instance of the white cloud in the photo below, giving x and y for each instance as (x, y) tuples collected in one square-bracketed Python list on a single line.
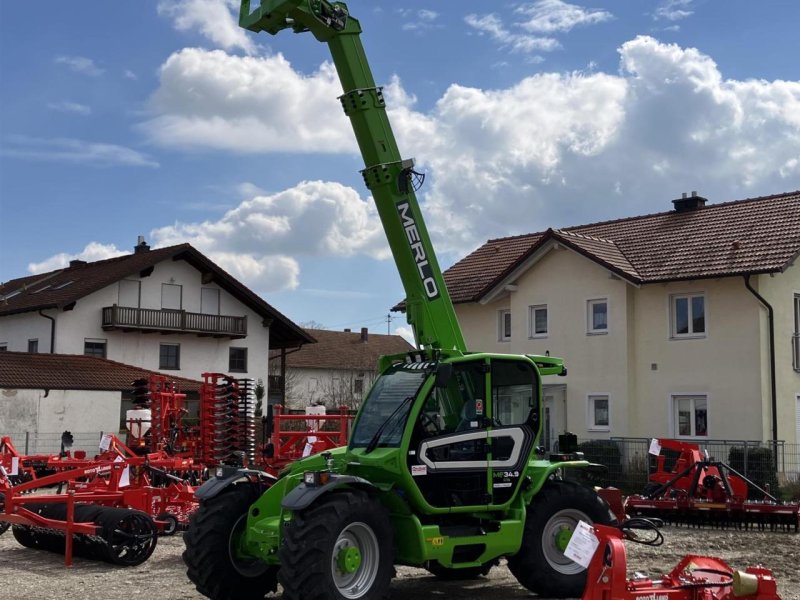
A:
[(213, 18), (92, 252), (405, 332), (130, 75), (554, 149), (421, 20), (492, 26), (259, 240), (550, 16), (66, 106), (71, 150), (80, 64), (213, 99), (673, 10)]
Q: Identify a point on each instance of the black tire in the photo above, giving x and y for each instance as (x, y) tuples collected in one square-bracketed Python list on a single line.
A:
[(552, 515), (209, 558), (322, 540), (466, 574), (24, 535), (4, 527)]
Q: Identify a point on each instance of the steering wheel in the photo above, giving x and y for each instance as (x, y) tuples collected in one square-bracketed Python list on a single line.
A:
[(429, 424)]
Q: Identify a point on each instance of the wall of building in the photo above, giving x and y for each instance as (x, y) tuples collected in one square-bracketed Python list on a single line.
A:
[(779, 290), (16, 330), (41, 412), (307, 386)]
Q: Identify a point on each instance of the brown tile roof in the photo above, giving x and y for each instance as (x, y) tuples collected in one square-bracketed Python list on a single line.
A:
[(60, 288), (345, 350), (24, 370), (755, 235)]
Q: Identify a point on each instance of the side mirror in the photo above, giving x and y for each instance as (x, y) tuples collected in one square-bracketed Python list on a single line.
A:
[(444, 371)]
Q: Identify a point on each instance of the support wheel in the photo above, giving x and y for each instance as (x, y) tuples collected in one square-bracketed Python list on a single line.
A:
[(345, 540), (170, 523), (552, 516), (211, 555)]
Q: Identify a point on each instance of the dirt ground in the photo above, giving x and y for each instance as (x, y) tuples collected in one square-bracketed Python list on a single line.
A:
[(32, 575)]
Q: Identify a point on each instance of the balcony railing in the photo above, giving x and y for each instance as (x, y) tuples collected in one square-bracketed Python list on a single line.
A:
[(147, 319), (796, 351)]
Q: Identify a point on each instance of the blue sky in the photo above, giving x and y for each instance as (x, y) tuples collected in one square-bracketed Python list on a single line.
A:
[(163, 119)]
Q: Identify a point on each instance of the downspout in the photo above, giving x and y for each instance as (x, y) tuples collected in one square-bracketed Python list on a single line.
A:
[(771, 314), (52, 331)]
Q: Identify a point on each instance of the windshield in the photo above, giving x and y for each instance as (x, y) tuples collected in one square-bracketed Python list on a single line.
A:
[(386, 397)]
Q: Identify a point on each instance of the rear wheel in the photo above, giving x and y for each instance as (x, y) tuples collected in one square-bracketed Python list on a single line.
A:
[(552, 516), (211, 556), (345, 540)]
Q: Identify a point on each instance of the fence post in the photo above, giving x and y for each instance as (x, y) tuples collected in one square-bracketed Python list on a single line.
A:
[(746, 446), (27, 442)]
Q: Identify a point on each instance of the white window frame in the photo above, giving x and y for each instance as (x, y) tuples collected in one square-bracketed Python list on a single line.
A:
[(102, 341), (591, 424), (532, 333), (673, 407), (33, 342), (673, 323), (590, 329), (796, 333), (502, 336)]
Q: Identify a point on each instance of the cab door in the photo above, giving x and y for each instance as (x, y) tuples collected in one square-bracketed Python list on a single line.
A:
[(448, 455)]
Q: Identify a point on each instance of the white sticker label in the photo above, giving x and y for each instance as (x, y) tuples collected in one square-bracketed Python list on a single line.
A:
[(14, 465), (582, 545), (105, 442), (417, 470), (655, 447), (125, 478), (502, 485)]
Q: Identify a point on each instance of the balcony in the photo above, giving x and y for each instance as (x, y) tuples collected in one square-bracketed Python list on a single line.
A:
[(123, 318), (796, 351)]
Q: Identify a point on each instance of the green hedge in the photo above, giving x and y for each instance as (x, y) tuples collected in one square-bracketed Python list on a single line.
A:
[(760, 468)]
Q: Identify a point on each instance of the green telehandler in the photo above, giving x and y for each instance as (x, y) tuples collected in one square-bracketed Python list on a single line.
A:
[(442, 469)]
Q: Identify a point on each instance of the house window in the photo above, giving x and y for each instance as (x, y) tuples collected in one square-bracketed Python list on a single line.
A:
[(169, 356), (597, 316), (358, 386), (171, 296), (504, 325), (796, 335), (33, 345), (3, 347), (209, 301), (237, 360), (538, 321), (691, 416), (688, 315), (599, 418), (94, 347), (129, 293)]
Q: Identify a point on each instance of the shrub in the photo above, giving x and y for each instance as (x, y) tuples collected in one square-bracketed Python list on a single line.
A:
[(758, 468)]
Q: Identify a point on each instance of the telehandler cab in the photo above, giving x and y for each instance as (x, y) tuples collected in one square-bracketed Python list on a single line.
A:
[(442, 469)]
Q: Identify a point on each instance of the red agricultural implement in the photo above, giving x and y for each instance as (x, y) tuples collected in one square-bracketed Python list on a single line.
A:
[(697, 491), (693, 578)]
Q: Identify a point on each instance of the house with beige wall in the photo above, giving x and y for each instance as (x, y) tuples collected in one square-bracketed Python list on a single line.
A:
[(679, 324)]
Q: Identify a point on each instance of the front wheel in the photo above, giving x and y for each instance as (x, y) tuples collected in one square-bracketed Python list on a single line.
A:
[(345, 540), (553, 514), (211, 556)]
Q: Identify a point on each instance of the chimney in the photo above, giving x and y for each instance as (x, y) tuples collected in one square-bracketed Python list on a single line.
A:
[(140, 246), (76, 263), (686, 203), (364, 334)]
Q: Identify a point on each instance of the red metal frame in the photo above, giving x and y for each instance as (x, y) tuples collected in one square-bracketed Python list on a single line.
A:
[(693, 578)]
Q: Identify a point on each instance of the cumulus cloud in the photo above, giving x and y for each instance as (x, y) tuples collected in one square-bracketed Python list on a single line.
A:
[(80, 64), (213, 18), (260, 238), (406, 332), (247, 104), (550, 16), (554, 149), (92, 252), (97, 154), (492, 26), (673, 10)]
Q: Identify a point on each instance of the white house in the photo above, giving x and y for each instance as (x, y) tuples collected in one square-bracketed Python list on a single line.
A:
[(170, 310), (338, 369), (679, 324)]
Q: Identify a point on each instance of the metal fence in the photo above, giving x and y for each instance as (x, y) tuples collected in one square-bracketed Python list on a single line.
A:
[(629, 464)]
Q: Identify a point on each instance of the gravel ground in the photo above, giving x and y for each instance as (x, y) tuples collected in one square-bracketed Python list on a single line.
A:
[(33, 575)]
